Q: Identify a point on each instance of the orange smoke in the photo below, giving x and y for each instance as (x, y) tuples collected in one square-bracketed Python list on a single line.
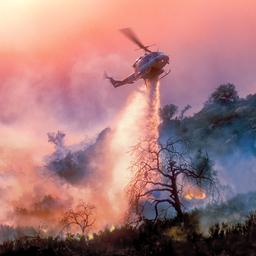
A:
[(28, 188)]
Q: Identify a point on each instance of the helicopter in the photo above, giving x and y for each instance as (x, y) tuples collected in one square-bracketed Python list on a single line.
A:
[(150, 65)]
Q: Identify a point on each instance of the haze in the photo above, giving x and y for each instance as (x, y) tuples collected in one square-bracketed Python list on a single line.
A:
[(53, 55)]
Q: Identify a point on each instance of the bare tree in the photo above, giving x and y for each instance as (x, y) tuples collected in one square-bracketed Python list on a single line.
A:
[(160, 172), (81, 216)]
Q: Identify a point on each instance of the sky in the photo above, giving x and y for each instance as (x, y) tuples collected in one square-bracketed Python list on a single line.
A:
[(53, 54)]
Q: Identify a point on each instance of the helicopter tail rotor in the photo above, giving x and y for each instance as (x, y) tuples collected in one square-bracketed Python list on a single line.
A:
[(114, 82)]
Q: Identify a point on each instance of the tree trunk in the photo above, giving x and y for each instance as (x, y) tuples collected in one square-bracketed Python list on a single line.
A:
[(179, 211), (177, 203)]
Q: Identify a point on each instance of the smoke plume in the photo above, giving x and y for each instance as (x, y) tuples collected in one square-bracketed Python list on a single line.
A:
[(96, 171)]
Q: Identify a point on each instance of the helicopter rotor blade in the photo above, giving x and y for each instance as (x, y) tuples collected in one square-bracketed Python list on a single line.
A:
[(128, 32)]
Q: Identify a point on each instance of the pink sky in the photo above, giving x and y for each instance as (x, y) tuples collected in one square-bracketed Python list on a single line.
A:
[(53, 55)]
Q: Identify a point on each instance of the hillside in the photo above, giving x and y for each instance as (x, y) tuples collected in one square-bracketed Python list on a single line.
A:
[(225, 119)]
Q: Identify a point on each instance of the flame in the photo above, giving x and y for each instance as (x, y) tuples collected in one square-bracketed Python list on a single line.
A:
[(194, 193), (45, 230), (112, 228), (90, 236)]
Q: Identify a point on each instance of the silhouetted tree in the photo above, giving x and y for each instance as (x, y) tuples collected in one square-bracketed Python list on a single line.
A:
[(183, 111), (160, 173), (81, 216), (224, 94), (168, 111)]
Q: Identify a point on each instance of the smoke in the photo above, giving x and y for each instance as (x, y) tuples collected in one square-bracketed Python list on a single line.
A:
[(56, 83), (81, 163), (234, 210), (224, 129), (96, 171)]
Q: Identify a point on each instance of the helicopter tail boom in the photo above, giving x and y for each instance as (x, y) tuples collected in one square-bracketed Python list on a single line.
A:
[(116, 83)]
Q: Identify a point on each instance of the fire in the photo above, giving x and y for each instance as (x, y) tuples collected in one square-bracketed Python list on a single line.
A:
[(45, 230), (194, 193), (112, 228), (90, 236)]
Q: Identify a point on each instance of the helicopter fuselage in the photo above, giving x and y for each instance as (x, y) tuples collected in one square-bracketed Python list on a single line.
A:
[(151, 63), (149, 66)]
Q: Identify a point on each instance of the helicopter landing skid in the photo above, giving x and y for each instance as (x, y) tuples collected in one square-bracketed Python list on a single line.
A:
[(166, 74)]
